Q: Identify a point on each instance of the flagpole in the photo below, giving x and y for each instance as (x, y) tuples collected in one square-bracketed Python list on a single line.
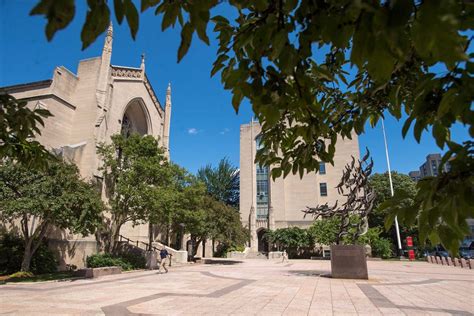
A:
[(391, 188)]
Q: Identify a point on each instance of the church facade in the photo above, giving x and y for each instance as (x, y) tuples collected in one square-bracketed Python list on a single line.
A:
[(268, 205), (89, 107)]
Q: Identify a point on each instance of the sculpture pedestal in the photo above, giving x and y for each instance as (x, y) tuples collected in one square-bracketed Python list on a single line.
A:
[(348, 262)]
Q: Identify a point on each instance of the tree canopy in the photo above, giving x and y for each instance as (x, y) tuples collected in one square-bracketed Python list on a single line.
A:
[(316, 69), (18, 126), (134, 169), (38, 201), (222, 182), (402, 184)]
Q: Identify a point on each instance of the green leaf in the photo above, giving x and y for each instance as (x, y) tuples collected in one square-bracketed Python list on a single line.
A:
[(278, 43), (237, 99), (131, 14), (186, 37), (440, 134), (97, 21), (119, 10), (146, 4), (418, 129), (446, 102), (406, 126), (58, 12)]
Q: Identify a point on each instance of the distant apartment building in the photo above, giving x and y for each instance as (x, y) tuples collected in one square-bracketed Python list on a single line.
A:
[(415, 175), (429, 168)]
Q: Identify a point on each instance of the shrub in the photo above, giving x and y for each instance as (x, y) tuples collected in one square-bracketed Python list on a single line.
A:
[(137, 261), (125, 261), (11, 254), (21, 275), (381, 247)]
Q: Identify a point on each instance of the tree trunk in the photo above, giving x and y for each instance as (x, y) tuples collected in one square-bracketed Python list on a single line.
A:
[(196, 243), (168, 234), (30, 247), (114, 236), (150, 236), (27, 255)]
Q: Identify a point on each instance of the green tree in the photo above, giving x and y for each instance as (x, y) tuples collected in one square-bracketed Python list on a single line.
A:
[(226, 227), (222, 182), (37, 201), (325, 231), (292, 239), (381, 247), (313, 70), (194, 213), (18, 126), (134, 168), (402, 184)]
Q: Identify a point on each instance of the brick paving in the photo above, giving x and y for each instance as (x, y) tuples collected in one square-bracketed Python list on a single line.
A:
[(253, 287)]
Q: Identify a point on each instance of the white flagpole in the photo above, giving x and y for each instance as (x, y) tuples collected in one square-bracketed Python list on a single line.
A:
[(391, 188)]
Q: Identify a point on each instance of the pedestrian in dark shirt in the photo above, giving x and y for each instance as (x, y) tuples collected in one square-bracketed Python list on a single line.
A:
[(164, 257)]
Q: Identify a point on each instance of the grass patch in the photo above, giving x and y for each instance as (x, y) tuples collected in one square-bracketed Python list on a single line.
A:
[(37, 278)]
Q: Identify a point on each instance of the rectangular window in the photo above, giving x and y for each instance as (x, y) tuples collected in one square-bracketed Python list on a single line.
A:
[(322, 168), (323, 189)]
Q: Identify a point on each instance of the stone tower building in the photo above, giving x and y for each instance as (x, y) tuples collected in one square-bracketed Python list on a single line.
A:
[(267, 205), (88, 107)]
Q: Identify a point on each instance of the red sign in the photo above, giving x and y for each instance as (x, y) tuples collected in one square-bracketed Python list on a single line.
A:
[(409, 241), (411, 254)]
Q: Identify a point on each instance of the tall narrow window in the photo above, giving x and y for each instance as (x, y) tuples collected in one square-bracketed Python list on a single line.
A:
[(262, 187), (322, 168), (323, 189)]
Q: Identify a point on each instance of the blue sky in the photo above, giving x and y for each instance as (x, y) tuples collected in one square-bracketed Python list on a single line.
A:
[(204, 126)]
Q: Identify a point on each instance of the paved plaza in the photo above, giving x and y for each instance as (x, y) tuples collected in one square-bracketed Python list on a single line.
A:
[(253, 287)]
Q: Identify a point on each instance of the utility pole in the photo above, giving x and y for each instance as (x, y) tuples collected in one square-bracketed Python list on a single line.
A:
[(391, 189)]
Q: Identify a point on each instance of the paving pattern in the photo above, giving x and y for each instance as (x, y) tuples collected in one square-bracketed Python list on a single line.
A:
[(253, 287)]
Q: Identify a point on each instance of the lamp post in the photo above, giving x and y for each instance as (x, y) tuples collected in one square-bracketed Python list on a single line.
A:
[(391, 189)]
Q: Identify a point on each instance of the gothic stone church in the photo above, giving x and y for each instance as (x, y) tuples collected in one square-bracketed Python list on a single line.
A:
[(88, 108)]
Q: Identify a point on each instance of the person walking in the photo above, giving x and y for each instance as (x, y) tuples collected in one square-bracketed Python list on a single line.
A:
[(164, 257), (284, 257)]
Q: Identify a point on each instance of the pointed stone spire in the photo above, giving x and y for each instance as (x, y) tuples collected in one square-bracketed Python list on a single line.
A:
[(168, 95), (166, 125), (108, 40), (142, 65), (103, 76)]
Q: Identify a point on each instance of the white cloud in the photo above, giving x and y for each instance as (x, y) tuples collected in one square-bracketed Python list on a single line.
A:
[(192, 131), (225, 131)]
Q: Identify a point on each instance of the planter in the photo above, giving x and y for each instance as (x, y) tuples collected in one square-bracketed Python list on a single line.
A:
[(348, 262), (97, 272)]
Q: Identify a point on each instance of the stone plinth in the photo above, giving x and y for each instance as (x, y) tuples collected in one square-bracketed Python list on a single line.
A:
[(97, 272), (348, 262), (275, 254)]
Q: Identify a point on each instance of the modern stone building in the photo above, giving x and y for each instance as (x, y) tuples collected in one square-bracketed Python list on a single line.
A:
[(267, 204), (429, 168), (88, 107)]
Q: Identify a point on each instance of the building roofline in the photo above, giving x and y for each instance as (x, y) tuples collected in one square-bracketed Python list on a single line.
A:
[(33, 84), (126, 67)]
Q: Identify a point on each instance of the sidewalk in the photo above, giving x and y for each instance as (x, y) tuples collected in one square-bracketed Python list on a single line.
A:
[(254, 287)]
